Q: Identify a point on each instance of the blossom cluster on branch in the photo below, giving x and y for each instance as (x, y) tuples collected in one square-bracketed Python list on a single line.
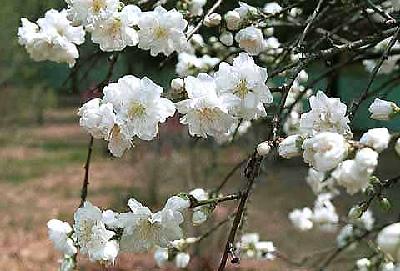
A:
[(222, 88)]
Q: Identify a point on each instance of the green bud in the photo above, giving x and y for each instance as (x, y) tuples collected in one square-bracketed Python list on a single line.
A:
[(385, 204), (355, 212)]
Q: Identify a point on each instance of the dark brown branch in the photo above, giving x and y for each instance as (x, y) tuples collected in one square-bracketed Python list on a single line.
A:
[(251, 173), (85, 184)]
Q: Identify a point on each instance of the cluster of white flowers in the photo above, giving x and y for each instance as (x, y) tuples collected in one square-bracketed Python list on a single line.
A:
[(325, 139), (215, 103), (111, 24), (251, 247), (131, 107), (103, 234), (52, 38), (323, 215)]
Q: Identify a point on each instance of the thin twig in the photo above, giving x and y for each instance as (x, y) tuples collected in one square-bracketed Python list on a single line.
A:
[(230, 174), (198, 203), (384, 57), (84, 190), (251, 173), (310, 20)]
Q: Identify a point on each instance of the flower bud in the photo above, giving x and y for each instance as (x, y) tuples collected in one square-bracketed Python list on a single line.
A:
[(355, 212), (177, 83), (263, 148), (232, 19), (212, 20), (290, 146), (226, 38), (389, 240)]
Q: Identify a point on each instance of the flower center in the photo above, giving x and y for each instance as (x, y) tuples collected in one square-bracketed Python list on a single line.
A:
[(248, 43), (136, 110), (241, 89), (98, 5), (116, 26), (160, 32), (86, 231), (208, 114)]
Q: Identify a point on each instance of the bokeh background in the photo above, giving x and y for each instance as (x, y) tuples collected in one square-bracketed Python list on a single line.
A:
[(42, 151)]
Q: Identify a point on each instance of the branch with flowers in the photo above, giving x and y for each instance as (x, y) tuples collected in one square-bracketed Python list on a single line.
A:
[(221, 89)]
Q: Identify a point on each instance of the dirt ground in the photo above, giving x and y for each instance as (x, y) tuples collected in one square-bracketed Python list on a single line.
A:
[(41, 170)]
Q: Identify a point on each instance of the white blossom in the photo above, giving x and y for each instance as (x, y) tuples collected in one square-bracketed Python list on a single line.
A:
[(232, 19), (382, 110), (272, 8), (189, 64), (204, 111), (345, 235), (251, 247), (97, 118), (377, 138), (89, 12), (200, 213), (161, 256), (245, 83), (326, 115), (363, 264), (92, 236), (119, 141), (52, 38), (291, 146), (324, 213), (324, 151), (367, 159), (138, 105), (272, 46), (177, 84), (354, 174), (161, 31), (263, 148), (214, 19), (251, 40), (100, 246), (196, 7), (389, 240), (182, 260), (144, 230), (59, 234), (390, 266), (226, 38), (301, 219), (117, 32), (366, 220)]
